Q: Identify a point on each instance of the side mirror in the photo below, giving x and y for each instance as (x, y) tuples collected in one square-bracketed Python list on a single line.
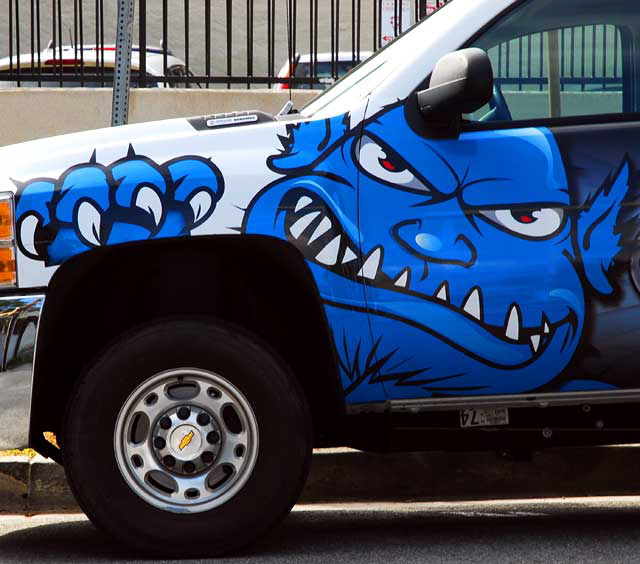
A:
[(461, 83)]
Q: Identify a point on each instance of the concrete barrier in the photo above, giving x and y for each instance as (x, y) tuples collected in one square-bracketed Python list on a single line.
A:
[(34, 113)]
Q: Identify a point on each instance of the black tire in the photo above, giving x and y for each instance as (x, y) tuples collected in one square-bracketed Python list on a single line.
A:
[(274, 395)]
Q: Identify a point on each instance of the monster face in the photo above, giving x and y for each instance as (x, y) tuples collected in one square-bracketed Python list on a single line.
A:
[(472, 251)]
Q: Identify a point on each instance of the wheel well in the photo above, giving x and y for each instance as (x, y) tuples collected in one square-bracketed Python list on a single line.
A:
[(260, 283)]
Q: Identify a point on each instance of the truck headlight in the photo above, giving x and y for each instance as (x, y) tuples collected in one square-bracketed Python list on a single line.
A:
[(8, 276)]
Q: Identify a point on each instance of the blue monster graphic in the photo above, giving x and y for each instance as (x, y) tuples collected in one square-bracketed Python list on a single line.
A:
[(446, 267), (133, 199), (477, 259)]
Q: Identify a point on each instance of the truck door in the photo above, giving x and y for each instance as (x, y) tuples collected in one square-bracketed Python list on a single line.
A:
[(500, 262)]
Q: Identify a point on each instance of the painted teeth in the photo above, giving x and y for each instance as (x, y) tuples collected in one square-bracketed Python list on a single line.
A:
[(402, 281), (329, 255), (322, 228), (512, 330), (336, 251), (371, 266), (299, 226), (535, 342), (349, 256), (472, 304), (303, 203), (443, 293)]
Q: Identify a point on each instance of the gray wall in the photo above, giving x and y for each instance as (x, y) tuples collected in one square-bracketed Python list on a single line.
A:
[(34, 113)]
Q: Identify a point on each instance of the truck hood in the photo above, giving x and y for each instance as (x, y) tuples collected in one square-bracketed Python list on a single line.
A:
[(238, 154), (160, 141)]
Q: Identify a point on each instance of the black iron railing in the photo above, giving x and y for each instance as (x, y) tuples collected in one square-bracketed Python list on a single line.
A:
[(258, 43), (198, 43)]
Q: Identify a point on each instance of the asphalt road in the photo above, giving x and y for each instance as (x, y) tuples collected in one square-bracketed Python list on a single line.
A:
[(581, 530)]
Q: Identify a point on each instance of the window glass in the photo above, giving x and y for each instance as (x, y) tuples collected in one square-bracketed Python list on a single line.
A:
[(565, 59)]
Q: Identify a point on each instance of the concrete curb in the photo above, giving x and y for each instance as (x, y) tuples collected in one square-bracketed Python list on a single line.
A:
[(39, 486)]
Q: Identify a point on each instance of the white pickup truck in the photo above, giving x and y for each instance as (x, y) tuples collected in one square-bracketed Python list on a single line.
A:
[(439, 252)]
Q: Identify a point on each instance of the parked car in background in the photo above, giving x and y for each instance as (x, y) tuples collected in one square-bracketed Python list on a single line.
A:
[(94, 61), (303, 67)]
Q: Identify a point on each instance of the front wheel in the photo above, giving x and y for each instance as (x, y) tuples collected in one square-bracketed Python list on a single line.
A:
[(187, 438)]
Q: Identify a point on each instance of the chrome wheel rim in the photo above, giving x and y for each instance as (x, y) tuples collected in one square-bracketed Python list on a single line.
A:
[(186, 440)]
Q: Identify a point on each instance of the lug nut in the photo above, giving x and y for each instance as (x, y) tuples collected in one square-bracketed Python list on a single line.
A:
[(213, 437), (165, 423), (169, 461), (189, 467), (184, 413), (207, 457), (203, 419), (159, 443)]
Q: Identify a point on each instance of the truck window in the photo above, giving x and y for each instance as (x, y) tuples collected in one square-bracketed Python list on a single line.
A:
[(553, 59)]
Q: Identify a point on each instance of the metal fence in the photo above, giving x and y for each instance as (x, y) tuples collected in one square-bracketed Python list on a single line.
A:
[(258, 43), (590, 59), (198, 43)]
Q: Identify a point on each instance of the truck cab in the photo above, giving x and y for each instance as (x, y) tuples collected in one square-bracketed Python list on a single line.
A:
[(439, 252)]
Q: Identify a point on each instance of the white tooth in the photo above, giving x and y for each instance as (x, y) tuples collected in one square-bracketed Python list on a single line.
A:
[(472, 304), (547, 330), (349, 256), (303, 203), (535, 342), (403, 280), (299, 226), (443, 293), (513, 324), (329, 255), (322, 228), (370, 267)]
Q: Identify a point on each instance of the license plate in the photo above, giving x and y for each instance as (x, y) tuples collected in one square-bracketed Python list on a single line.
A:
[(484, 417)]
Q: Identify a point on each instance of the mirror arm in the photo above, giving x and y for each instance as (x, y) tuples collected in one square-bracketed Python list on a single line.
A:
[(439, 124)]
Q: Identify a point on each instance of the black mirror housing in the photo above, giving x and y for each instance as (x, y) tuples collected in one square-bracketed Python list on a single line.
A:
[(461, 83)]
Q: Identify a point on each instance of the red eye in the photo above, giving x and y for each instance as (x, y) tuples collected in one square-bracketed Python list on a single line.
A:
[(526, 217), (386, 163), (391, 163)]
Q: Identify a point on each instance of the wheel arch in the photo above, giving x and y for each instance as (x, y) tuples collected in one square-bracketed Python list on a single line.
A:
[(259, 283)]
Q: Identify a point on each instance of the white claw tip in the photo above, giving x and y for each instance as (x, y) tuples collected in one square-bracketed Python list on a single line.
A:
[(89, 223)]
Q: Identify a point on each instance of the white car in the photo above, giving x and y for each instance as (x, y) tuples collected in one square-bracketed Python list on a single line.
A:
[(98, 61), (302, 67)]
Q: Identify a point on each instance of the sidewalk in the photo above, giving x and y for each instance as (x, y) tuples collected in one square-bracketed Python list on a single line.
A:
[(32, 486)]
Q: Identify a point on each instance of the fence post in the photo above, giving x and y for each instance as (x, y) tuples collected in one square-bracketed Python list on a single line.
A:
[(122, 70), (554, 79)]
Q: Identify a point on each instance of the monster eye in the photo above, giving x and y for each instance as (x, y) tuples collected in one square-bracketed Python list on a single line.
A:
[(383, 163), (537, 223)]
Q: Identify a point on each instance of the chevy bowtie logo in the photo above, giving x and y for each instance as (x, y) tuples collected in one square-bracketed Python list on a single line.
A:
[(186, 440)]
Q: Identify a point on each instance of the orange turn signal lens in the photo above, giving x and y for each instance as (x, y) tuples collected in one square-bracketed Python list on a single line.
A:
[(6, 219), (7, 266)]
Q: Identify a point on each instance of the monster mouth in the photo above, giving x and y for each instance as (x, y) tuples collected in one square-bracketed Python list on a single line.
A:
[(315, 230)]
